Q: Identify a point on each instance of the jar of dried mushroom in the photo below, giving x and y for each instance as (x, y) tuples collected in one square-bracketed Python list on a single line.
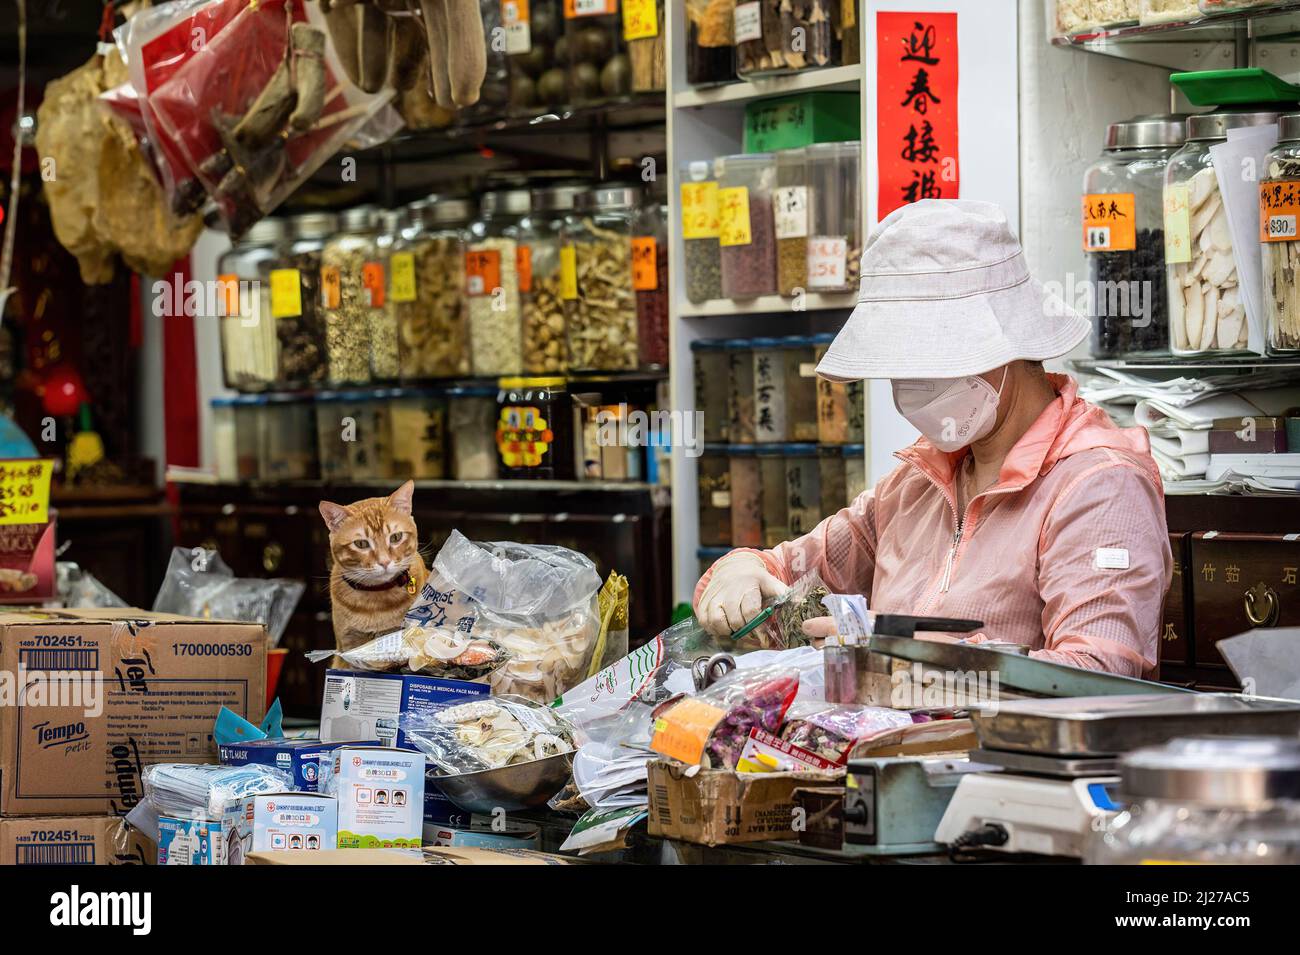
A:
[(701, 228), (383, 320), (786, 36), (600, 304), (249, 345), (303, 361), (1279, 210), (496, 340), (1124, 236), (418, 418), (712, 374), (593, 45), (747, 235), (540, 279), (790, 217), (1207, 314), (427, 277), (834, 221), (650, 281), (471, 430), (352, 289), (710, 49), (643, 32)]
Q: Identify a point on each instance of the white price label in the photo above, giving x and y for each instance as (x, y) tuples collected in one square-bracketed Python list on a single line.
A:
[(790, 210), (720, 499), (514, 17), (827, 256), (748, 22), (1282, 227), (1099, 238)]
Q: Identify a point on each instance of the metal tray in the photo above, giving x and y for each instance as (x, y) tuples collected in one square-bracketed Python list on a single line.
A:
[(1112, 725)]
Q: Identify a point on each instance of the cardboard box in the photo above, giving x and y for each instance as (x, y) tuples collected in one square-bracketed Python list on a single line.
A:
[(88, 698), (363, 705), (460, 855), (720, 807), (300, 758), (73, 840), (295, 822), (380, 793)]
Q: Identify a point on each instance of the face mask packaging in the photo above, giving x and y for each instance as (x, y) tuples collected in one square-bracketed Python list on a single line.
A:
[(300, 758), (360, 705), (295, 822), (198, 841), (380, 795)]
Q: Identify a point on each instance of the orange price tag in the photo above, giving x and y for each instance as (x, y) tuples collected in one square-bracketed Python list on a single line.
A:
[(372, 280), (524, 266), (1279, 210), (330, 286), (228, 293), (589, 8), (482, 271), (1110, 222), (684, 729), (645, 272)]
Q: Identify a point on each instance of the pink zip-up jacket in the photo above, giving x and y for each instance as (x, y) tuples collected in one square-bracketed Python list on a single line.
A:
[(1068, 552)]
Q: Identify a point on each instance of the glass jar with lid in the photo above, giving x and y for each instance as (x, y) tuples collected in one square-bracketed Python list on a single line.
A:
[(1124, 236), (534, 430), (303, 361), (600, 304), (593, 44), (384, 364), (1218, 801), (1162, 11), (1279, 195), (471, 429), (428, 280), (370, 452), (496, 93), (645, 36), (418, 417), (496, 340), (700, 227), (650, 280), (777, 36), (352, 288), (710, 47), (288, 439), (249, 345), (790, 219), (747, 235), (541, 280), (1207, 314), (538, 70), (834, 223), (1068, 17), (331, 410)]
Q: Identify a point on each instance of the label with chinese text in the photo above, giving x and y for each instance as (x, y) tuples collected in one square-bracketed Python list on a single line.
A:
[(733, 216), (25, 491), (1178, 225), (482, 271), (1279, 209), (1110, 222), (401, 277), (700, 210), (645, 272), (372, 280), (790, 210)]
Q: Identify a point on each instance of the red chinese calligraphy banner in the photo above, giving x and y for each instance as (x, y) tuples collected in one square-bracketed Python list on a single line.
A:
[(917, 148)]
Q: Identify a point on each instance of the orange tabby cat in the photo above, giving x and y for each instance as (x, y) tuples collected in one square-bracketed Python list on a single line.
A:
[(377, 569)]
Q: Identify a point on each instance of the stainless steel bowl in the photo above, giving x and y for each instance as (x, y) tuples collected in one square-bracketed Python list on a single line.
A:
[(512, 788)]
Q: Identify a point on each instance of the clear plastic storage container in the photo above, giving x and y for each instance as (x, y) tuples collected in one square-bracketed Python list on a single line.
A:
[(746, 479), (1212, 7), (428, 268), (471, 428), (1124, 236), (418, 417), (701, 228), (249, 344), (334, 424), (288, 438), (710, 49), (370, 452), (593, 43), (747, 233), (492, 284), (1167, 11), (1068, 17), (541, 235), (776, 502), (303, 362), (834, 223), (740, 391), (650, 280), (1280, 252), (713, 479), (600, 303), (786, 36), (841, 406), (855, 472), (225, 439), (803, 493), (712, 377), (790, 219), (352, 289), (1207, 314)]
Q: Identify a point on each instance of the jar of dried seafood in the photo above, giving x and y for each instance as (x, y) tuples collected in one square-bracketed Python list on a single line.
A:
[(496, 340), (352, 288), (428, 278), (1279, 210), (600, 304), (302, 336), (249, 346), (1207, 314), (383, 320), (540, 279)]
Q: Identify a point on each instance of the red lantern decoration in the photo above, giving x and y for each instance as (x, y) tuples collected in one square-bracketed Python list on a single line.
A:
[(62, 391)]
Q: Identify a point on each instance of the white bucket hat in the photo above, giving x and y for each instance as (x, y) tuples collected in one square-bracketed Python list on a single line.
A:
[(946, 293)]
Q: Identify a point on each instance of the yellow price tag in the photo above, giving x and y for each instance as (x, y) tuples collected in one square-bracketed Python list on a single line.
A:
[(286, 293), (25, 491), (640, 19), (700, 210), (401, 277), (733, 214), (568, 272)]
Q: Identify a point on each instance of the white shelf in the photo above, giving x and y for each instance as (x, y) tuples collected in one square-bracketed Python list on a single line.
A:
[(769, 305), (839, 78)]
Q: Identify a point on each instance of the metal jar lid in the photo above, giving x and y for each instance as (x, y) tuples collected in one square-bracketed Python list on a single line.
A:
[(510, 201), (447, 211), (264, 232), (358, 219), (314, 225), (1215, 125), (610, 197), (392, 220), (557, 198), (1231, 772), (1288, 128), (1147, 132)]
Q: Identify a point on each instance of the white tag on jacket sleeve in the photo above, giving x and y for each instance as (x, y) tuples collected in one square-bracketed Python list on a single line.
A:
[(1111, 558)]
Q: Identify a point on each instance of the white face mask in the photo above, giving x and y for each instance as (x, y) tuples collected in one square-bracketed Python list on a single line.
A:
[(951, 412)]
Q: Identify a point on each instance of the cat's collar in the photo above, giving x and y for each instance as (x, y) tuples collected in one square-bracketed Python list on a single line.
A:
[(404, 579)]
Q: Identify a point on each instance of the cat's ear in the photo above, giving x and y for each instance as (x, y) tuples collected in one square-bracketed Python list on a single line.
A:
[(334, 514), (400, 500)]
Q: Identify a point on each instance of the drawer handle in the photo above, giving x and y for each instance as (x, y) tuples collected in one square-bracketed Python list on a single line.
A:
[(1262, 605), (272, 554)]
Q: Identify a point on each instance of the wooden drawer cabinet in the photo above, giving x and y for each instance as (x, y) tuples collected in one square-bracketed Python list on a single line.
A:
[(1175, 626)]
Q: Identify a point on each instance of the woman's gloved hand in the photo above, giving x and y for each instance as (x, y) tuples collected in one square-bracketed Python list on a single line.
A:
[(735, 594)]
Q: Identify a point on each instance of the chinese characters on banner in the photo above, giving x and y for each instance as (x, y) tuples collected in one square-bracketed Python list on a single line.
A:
[(916, 127), (25, 491)]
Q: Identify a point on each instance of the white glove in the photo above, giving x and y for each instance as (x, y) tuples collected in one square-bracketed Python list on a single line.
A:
[(735, 594)]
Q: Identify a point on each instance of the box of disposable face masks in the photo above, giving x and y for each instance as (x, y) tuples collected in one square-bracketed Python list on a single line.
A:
[(300, 758), (364, 705), (380, 795), (295, 822), (198, 841)]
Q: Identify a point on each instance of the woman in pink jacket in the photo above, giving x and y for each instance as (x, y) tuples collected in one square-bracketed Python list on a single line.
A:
[(1021, 505)]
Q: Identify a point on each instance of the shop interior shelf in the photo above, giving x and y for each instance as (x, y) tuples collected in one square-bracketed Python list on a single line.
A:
[(191, 476), (769, 305), (1245, 363), (845, 78)]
